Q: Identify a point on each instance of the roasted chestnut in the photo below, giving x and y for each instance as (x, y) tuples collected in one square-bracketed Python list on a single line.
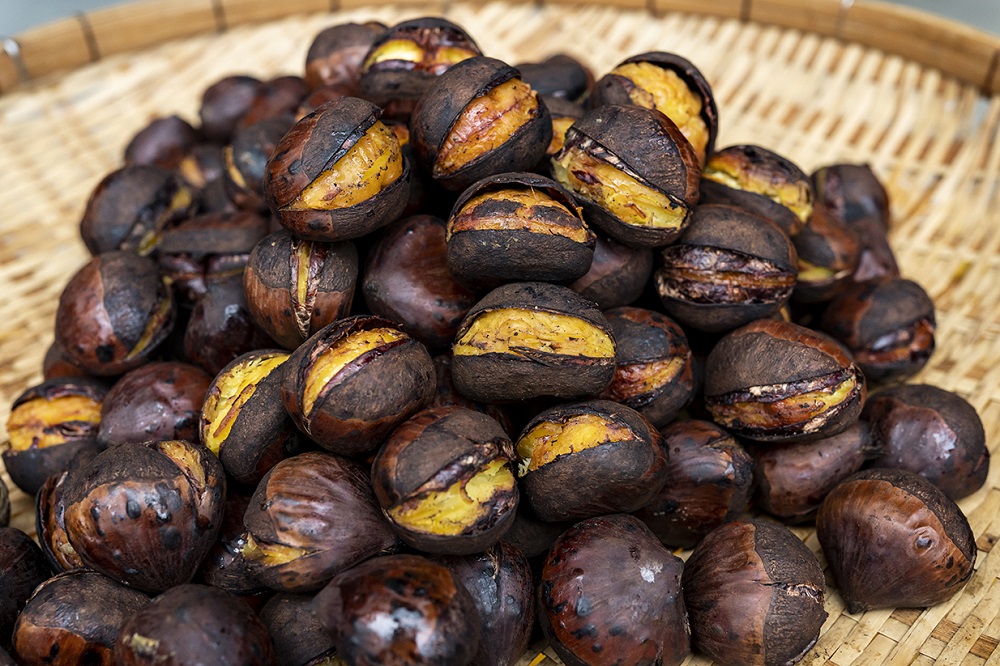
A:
[(225, 565), (50, 515), (588, 459), (338, 174), (56, 365), (515, 227), (931, 432), (772, 381), (446, 395), (146, 514), (336, 55), (221, 327), (311, 517), (74, 619), (532, 535), (893, 539), (163, 143), (277, 100), (22, 569), (246, 161), (354, 381), (708, 481), (828, 253), (610, 593), (399, 610), (444, 480), (618, 274), (113, 313), (531, 339), (727, 269), (476, 120), (298, 636), (224, 103), (194, 624), (202, 167), (633, 172), (296, 287), (754, 595), (559, 76)]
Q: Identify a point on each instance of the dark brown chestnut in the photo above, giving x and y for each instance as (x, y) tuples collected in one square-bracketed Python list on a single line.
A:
[(56, 365), (610, 593), (476, 120), (113, 313), (146, 514), (559, 76), (50, 515), (399, 610), (893, 539), (74, 619), (727, 269), (589, 458), (338, 174), (772, 381), (633, 172), (312, 516), (194, 624), (931, 432), (278, 100), (444, 480), (618, 274), (163, 143), (446, 395), (201, 167), (754, 594), (225, 565), (708, 481), (221, 327), (22, 568), (531, 339), (336, 54), (532, 535), (246, 161), (223, 104), (298, 636), (296, 287), (828, 252), (854, 193)]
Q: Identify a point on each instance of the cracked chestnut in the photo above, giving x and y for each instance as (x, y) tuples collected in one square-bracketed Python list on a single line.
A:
[(22, 568), (50, 524), (163, 143), (246, 159), (828, 253), (617, 275), (336, 54), (298, 636)]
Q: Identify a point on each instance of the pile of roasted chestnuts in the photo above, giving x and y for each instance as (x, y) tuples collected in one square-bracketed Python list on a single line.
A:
[(380, 364)]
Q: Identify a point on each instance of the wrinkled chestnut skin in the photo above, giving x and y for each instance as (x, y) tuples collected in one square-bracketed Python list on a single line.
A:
[(754, 595), (113, 313), (894, 540), (146, 514), (646, 340), (157, 401), (695, 281), (74, 619), (433, 618), (708, 481), (617, 275), (502, 377), (272, 278), (433, 451), (323, 507), (828, 253), (612, 476), (163, 143), (793, 478), (131, 207), (224, 103), (407, 281), (246, 161), (221, 327), (336, 55), (887, 325), (298, 636), (501, 585), (225, 566), (22, 569), (559, 76), (598, 606), (766, 366), (486, 247), (312, 146), (931, 432), (194, 624)]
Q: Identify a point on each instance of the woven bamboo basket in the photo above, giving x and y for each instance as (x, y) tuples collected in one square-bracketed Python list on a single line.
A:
[(820, 81)]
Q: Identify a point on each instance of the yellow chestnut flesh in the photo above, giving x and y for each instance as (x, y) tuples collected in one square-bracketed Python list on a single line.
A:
[(153, 326), (633, 379), (186, 458), (231, 391), (550, 440), (270, 554), (560, 125), (408, 51), (40, 423), (804, 408), (795, 196), (331, 362), (515, 330), (525, 216)]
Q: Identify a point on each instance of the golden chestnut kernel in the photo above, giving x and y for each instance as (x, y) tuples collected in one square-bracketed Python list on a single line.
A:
[(743, 168), (533, 210), (43, 422), (560, 125), (806, 404), (231, 392), (516, 331), (436, 59), (550, 440)]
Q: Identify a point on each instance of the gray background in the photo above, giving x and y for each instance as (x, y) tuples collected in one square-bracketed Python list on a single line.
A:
[(18, 15)]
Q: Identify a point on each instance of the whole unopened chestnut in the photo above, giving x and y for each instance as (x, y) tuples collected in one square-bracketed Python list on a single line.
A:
[(932, 432), (336, 55), (633, 171), (444, 480), (354, 381), (246, 160), (298, 636), (312, 516), (894, 540), (610, 593), (727, 269), (295, 287), (163, 142), (224, 103), (617, 275), (407, 281), (828, 252), (338, 174), (113, 313), (146, 514), (708, 481), (531, 339), (22, 568), (754, 594), (559, 76), (399, 610), (74, 619), (888, 325), (194, 624), (476, 120), (221, 327), (588, 459), (773, 381), (156, 401)]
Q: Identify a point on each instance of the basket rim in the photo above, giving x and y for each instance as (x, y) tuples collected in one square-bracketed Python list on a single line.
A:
[(957, 49)]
